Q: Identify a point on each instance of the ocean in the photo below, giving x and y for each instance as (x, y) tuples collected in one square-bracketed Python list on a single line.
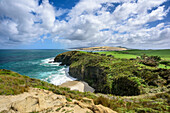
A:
[(35, 64)]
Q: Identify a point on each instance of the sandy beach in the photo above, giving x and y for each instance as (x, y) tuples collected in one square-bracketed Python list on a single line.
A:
[(78, 85)]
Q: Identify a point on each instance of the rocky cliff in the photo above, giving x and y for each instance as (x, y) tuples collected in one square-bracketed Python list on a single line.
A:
[(110, 75)]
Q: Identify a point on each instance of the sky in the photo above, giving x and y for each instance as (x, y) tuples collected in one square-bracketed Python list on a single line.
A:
[(61, 24)]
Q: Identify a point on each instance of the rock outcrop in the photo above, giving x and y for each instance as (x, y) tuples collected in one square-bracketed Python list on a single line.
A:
[(43, 101), (66, 58), (92, 74)]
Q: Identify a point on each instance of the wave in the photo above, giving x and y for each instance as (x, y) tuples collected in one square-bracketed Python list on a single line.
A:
[(58, 76), (61, 77), (49, 62)]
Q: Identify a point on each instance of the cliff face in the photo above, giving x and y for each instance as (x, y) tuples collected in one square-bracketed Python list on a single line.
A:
[(93, 69), (110, 75), (65, 58), (93, 75)]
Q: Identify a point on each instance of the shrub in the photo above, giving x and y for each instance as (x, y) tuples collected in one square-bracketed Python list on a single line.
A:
[(150, 60), (167, 63), (125, 86)]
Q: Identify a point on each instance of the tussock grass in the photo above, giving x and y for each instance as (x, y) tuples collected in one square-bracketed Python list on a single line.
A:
[(12, 83)]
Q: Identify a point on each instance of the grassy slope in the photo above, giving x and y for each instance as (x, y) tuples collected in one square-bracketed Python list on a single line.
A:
[(116, 54), (12, 83), (164, 54), (114, 75)]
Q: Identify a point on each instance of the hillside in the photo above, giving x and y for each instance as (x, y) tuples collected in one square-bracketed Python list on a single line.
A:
[(20, 93), (35, 96), (114, 75), (104, 48), (138, 78)]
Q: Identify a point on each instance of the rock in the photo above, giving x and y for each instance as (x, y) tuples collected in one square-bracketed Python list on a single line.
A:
[(29, 104), (43, 101), (102, 109), (87, 101), (65, 58), (93, 75), (94, 108), (34, 100)]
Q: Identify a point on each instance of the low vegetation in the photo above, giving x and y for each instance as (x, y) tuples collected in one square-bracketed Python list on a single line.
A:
[(156, 103), (133, 54), (164, 54), (108, 74), (142, 76), (12, 83)]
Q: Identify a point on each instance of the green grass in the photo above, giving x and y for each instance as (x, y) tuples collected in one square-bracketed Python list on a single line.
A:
[(12, 83), (115, 75), (117, 54), (165, 54), (163, 66), (157, 103)]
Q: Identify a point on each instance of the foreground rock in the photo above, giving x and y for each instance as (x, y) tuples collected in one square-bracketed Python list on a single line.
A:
[(38, 100), (78, 85)]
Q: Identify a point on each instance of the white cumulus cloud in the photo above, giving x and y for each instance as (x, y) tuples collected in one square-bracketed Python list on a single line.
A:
[(89, 23)]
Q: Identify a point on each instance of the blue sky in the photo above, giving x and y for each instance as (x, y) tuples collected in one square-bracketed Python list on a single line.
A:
[(58, 24)]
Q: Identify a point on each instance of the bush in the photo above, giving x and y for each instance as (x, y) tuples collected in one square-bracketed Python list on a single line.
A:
[(167, 63), (150, 60), (125, 86)]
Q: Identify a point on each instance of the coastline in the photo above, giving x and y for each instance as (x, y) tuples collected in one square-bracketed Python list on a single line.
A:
[(76, 85)]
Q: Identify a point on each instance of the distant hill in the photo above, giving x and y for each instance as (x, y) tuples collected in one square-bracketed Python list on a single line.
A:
[(103, 48)]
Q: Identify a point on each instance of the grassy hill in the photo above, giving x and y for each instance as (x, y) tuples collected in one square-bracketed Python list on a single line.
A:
[(12, 83)]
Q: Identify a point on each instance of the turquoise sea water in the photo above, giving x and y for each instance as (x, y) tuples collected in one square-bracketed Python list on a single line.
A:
[(35, 64)]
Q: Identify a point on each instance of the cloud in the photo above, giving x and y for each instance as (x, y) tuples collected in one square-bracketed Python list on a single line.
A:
[(25, 21), (88, 23)]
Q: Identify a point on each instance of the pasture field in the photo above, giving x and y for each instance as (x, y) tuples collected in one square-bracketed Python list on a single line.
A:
[(164, 54), (118, 54)]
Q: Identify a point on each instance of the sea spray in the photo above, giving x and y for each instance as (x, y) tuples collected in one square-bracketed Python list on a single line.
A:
[(56, 77)]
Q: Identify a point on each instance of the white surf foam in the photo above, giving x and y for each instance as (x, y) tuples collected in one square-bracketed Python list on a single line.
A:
[(49, 62), (59, 76)]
